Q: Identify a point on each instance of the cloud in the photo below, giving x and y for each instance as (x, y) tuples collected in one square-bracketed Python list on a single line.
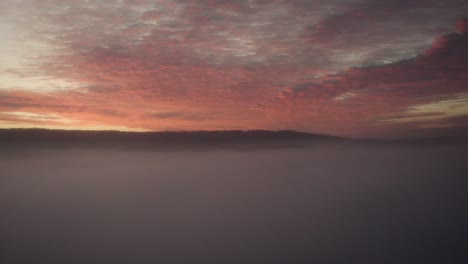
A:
[(377, 33), (180, 115), (438, 110), (321, 66), (375, 96)]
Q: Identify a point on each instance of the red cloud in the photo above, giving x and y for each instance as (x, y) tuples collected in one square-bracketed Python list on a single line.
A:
[(157, 94), (241, 66), (357, 98)]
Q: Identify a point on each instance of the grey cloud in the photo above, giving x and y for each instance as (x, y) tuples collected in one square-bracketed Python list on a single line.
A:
[(384, 32)]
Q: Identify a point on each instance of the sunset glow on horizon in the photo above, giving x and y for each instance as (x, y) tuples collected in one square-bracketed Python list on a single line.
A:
[(355, 68)]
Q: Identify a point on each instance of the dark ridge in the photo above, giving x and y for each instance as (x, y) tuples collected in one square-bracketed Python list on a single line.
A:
[(10, 138), (241, 139)]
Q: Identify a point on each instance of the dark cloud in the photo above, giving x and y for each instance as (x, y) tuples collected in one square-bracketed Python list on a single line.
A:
[(360, 96), (444, 62), (396, 30)]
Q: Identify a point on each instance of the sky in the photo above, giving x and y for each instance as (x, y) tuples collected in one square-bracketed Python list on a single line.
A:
[(356, 68)]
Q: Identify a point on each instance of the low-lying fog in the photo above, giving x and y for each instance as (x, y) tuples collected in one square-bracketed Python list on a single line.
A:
[(323, 204)]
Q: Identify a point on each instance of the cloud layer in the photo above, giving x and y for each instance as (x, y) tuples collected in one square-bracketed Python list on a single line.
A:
[(339, 67)]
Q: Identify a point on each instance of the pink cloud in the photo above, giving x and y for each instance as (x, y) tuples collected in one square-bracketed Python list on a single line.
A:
[(223, 65)]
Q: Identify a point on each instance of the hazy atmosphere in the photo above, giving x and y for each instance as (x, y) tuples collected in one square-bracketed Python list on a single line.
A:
[(332, 203), (233, 131)]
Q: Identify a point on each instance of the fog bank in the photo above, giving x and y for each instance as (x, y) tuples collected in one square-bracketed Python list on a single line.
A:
[(322, 204)]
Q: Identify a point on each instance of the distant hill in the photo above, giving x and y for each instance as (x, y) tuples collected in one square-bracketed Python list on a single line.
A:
[(241, 139), (116, 139)]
